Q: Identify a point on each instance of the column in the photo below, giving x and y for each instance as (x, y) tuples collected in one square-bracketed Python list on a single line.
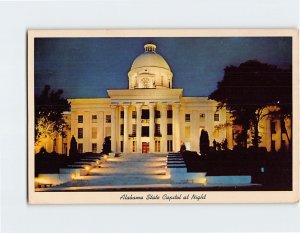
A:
[(100, 130), (151, 129), (113, 129), (176, 128), (73, 126), (87, 142), (129, 129), (163, 128), (195, 131), (229, 131), (125, 137), (118, 129), (138, 128), (209, 125), (268, 134), (278, 135)]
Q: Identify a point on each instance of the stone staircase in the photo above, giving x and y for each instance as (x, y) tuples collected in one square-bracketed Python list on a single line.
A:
[(130, 171), (126, 170), (175, 160)]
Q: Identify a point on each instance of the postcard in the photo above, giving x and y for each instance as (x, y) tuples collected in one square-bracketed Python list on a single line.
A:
[(169, 116)]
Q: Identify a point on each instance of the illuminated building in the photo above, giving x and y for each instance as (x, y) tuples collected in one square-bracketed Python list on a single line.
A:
[(153, 117)]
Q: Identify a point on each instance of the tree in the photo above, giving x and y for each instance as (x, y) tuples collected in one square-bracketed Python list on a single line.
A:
[(73, 147), (49, 108), (182, 147), (248, 89), (107, 145), (204, 142)]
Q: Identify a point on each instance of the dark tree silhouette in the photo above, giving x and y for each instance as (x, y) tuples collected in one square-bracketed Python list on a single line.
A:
[(73, 147), (49, 108), (204, 142), (248, 89), (107, 145), (214, 144), (182, 148)]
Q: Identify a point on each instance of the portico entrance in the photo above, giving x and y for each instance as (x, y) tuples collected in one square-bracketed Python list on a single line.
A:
[(145, 147)]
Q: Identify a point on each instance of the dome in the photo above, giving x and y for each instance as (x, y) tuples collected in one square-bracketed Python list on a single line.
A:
[(150, 59), (150, 70)]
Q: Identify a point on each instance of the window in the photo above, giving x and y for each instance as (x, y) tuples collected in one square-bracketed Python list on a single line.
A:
[(122, 146), (202, 117), (80, 118), (157, 114), (169, 114), (133, 146), (94, 132), (169, 129), (273, 130), (80, 132), (122, 129), (133, 114), (170, 145), (145, 131), (108, 118), (157, 130), (122, 114), (94, 118), (187, 131), (80, 148), (145, 113), (187, 117), (133, 130), (216, 117), (94, 147), (157, 146)]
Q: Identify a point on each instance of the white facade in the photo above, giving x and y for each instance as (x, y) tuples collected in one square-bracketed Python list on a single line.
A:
[(149, 116)]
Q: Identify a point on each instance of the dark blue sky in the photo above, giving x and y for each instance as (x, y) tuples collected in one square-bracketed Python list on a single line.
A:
[(87, 67)]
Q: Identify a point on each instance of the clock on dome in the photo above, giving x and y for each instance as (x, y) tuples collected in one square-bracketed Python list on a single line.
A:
[(145, 82)]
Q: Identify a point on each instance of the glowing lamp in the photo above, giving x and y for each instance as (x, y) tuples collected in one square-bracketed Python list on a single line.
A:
[(87, 167), (73, 176)]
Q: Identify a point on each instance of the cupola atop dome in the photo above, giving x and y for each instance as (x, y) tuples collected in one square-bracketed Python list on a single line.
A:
[(150, 70), (150, 47)]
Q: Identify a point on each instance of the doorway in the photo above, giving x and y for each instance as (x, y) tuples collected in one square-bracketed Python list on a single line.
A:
[(145, 147)]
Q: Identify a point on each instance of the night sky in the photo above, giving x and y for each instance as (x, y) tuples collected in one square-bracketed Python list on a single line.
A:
[(87, 67)]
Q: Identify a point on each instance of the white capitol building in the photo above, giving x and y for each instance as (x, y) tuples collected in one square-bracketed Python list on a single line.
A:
[(151, 116)]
